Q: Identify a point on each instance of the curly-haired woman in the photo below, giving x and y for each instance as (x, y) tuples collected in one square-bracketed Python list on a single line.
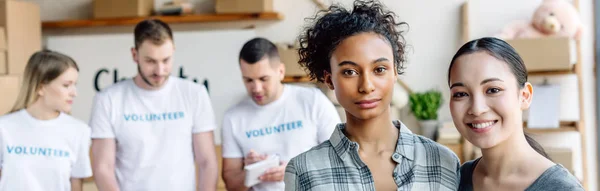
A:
[(359, 54)]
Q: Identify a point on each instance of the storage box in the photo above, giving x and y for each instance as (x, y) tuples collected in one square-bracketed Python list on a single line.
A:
[(289, 56), (3, 64), (243, 6), (563, 156), (23, 28), (546, 54), (123, 8), (10, 90)]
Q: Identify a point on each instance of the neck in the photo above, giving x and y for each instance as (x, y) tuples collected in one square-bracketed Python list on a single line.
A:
[(497, 163), (39, 111), (374, 134)]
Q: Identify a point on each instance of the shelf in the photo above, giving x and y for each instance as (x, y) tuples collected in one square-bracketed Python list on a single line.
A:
[(196, 18), (296, 79), (554, 72), (564, 126), (550, 130)]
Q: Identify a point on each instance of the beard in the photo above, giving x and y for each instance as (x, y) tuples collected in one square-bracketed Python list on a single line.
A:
[(146, 79)]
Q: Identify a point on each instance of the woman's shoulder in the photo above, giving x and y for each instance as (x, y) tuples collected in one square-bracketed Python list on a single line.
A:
[(556, 177), (316, 157)]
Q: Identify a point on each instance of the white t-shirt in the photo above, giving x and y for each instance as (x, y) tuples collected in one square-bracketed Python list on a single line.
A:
[(300, 119), (43, 154), (153, 132)]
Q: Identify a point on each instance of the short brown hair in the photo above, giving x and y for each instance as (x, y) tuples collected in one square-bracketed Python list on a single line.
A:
[(154, 30)]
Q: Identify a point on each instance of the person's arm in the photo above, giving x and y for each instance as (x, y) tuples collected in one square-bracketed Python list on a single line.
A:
[(203, 127), (82, 168), (233, 170), (103, 165), (290, 177), (234, 174), (326, 116), (76, 184), (206, 160), (103, 144)]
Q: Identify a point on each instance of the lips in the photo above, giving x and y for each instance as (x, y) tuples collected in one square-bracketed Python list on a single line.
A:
[(482, 126), (368, 104), (70, 102)]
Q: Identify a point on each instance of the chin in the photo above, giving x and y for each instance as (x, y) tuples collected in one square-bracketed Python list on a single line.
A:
[(366, 114)]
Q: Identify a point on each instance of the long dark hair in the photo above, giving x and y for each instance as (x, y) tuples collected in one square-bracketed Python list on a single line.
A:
[(502, 51)]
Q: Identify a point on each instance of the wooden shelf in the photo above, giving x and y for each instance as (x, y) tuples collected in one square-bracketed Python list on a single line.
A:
[(550, 130), (196, 18), (564, 126), (296, 79), (555, 72)]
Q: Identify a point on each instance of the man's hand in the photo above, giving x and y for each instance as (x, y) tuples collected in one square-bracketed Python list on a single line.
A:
[(274, 174), (253, 157)]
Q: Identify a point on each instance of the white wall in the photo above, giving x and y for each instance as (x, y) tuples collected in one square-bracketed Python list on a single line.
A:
[(434, 36)]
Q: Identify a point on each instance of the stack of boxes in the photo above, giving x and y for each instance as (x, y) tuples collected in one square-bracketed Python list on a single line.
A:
[(20, 37)]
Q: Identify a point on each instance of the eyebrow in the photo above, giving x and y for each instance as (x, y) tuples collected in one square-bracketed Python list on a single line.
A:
[(460, 84), (354, 64), (490, 80), (249, 78)]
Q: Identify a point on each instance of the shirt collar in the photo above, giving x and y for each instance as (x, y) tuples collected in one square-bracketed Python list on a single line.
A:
[(404, 147)]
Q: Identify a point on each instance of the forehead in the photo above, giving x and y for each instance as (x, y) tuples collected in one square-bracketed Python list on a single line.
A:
[(478, 66), (150, 49), (260, 68), (362, 48), (69, 74)]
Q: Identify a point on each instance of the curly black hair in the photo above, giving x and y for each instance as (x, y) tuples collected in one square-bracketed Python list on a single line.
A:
[(332, 26)]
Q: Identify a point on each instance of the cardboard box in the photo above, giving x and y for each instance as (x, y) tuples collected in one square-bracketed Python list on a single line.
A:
[(10, 90), (289, 56), (23, 28), (123, 8), (243, 6), (546, 54), (3, 64), (563, 156), (2, 38)]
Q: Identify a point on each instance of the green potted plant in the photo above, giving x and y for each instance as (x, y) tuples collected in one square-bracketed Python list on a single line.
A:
[(425, 106)]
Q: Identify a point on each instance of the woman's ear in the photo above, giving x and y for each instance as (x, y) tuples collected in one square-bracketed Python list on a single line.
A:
[(526, 95), (327, 79)]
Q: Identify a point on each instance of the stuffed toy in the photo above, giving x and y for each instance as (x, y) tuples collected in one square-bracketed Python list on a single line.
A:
[(551, 18)]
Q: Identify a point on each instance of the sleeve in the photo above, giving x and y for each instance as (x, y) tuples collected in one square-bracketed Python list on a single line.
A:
[(326, 117), (100, 122), (204, 116), (82, 167), (230, 147), (289, 178)]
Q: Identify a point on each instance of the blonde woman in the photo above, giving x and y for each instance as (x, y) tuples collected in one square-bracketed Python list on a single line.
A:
[(42, 147)]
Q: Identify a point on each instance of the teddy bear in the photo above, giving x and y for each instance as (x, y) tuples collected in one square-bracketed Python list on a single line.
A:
[(551, 18)]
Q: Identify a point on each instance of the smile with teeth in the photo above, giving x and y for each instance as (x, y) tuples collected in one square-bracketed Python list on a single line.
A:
[(482, 125)]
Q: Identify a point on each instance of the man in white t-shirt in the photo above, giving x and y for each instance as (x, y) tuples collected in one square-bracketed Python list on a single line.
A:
[(275, 119), (150, 132)]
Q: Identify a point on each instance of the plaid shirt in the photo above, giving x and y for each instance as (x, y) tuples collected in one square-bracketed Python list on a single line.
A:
[(422, 164)]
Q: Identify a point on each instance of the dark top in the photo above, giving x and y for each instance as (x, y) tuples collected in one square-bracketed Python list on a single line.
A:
[(554, 178)]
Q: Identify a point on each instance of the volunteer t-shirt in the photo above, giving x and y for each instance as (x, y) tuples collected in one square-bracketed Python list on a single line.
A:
[(300, 119), (153, 131), (42, 155)]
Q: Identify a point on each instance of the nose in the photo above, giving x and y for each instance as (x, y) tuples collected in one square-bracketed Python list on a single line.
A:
[(256, 87), (478, 106), (160, 69), (552, 24), (366, 84), (74, 92)]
